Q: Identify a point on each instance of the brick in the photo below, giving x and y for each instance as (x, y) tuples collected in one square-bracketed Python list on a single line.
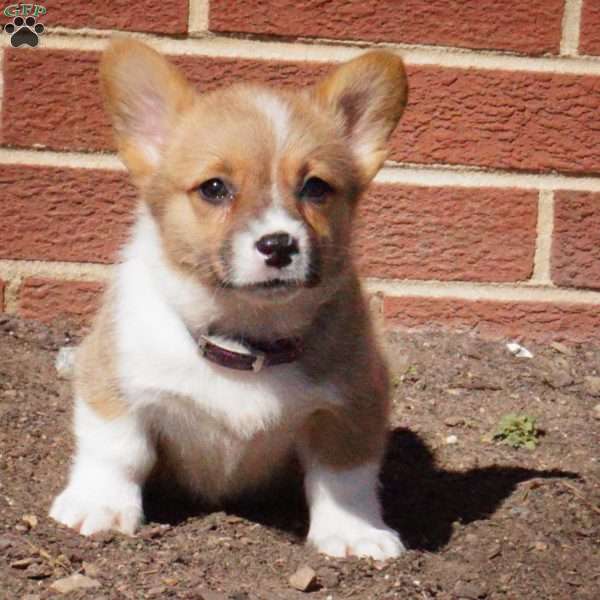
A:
[(485, 118), (576, 240), (51, 213), (63, 115), (49, 300), (481, 234), (156, 16), (501, 119), (532, 27), (538, 321), (63, 110), (589, 35)]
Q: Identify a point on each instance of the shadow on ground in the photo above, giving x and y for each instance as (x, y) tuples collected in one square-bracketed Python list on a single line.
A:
[(420, 500)]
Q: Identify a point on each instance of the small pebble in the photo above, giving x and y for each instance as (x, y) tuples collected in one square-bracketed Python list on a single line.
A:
[(557, 377), (451, 439), (454, 421), (65, 362), (38, 571), (562, 349), (518, 350), (30, 520), (23, 563), (151, 533), (494, 551), (73, 583), (233, 519), (329, 577), (5, 543), (591, 385), (158, 590), (303, 579), (469, 590)]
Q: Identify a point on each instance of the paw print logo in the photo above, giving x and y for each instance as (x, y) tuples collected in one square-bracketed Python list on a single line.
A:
[(24, 31)]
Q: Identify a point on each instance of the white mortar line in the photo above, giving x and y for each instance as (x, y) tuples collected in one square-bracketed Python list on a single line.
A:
[(13, 269), (198, 17), (543, 246), (393, 173), (571, 26), (461, 176), (323, 51), (18, 269), (481, 291), (46, 158)]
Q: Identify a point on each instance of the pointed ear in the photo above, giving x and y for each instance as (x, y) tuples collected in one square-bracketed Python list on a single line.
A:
[(144, 94), (367, 96)]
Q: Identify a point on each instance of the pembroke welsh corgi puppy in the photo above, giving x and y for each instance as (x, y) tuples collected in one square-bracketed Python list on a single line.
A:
[(235, 333)]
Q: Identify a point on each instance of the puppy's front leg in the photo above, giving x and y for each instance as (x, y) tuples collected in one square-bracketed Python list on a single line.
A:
[(341, 482), (112, 460)]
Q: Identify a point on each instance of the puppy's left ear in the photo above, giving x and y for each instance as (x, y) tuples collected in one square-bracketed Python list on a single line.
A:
[(367, 96)]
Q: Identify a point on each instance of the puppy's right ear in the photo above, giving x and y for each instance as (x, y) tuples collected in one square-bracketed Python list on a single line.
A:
[(144, 95)]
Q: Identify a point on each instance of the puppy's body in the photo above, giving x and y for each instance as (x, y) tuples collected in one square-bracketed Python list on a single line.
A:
[(194, 266), (226, 429)]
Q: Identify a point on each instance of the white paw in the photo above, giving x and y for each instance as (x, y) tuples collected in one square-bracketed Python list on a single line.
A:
[(363, 539), (91, 511)]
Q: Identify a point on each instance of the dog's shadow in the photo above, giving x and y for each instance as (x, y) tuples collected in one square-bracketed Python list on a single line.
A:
[(420, 500)]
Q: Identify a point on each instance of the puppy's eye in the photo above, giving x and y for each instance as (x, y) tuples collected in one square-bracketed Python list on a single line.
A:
[(315, 190), (214, 191)]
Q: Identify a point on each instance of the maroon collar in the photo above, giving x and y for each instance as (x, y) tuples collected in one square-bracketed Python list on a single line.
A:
[(260, 354)]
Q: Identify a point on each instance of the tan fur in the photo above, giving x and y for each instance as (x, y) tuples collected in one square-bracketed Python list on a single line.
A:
[(96, 380), (343, 350), (224, 134)]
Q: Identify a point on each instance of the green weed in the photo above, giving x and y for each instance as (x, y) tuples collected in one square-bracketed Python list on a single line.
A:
[(518, 431)]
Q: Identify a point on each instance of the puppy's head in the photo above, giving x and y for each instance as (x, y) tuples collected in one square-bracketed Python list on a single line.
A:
[(253, 189)]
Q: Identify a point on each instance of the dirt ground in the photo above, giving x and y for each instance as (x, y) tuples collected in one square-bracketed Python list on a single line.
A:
[(481, 519)]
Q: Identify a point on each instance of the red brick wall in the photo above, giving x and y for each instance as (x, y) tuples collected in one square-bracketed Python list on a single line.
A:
[(487, 215)]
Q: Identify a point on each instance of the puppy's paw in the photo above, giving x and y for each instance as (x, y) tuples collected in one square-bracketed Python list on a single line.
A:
[(359, 539), (91, 511)]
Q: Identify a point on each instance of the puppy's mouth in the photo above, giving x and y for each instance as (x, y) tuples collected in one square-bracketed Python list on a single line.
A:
[(272, 286), (272, 289)]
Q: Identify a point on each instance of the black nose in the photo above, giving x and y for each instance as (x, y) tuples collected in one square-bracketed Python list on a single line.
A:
[(278, 248)]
